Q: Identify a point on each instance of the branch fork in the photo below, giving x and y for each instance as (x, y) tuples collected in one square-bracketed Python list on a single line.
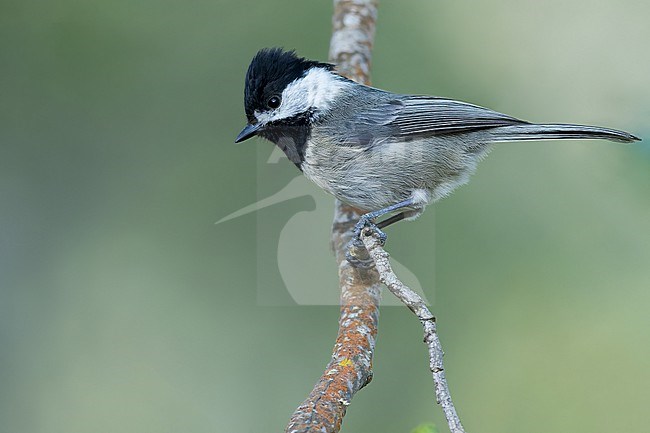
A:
[(350, 367), (416, 304)]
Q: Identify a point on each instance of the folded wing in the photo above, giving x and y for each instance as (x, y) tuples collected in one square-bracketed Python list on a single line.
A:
[(422, 115)]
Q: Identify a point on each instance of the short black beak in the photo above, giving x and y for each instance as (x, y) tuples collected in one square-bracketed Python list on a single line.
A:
[(248, 132)]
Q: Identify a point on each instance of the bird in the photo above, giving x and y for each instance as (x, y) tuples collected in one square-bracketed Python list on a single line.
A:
[(381, 152)]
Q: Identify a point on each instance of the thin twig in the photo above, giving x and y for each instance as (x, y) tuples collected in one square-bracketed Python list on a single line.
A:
[(350, 368), (416, 304)]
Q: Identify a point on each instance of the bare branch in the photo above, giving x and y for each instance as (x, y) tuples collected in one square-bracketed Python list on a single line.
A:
[(351, 366), (352, 37), (416, 304)]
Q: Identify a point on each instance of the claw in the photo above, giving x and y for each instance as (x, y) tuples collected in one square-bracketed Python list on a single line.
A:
[(357, 255), (367, 231), (360, 225), (367, 224)]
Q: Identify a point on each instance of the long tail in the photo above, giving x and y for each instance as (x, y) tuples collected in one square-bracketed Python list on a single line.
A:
[(560, 131)]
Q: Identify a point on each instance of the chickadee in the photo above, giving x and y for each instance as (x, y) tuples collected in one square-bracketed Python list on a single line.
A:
[(375, 150)]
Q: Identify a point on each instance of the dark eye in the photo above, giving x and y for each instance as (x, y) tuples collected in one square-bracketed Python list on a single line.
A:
[(274, 102)]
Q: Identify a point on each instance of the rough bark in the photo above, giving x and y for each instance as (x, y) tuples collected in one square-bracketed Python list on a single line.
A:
[(350, 368)]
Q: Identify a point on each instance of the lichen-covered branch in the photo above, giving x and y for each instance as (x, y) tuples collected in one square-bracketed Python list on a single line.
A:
[(352, 37), (350, 368), (416, 304)]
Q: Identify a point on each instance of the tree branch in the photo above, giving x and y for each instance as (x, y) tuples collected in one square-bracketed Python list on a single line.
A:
[(417, 305), (351, 366)]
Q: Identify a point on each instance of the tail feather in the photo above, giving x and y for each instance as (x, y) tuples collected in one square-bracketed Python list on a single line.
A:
[(559, 131)]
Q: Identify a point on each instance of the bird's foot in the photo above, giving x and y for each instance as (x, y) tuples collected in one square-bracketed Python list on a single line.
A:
[(357, 255), (356, 252), (367, 222)]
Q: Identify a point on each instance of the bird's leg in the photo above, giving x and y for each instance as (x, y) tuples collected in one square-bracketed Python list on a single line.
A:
[(368, 220), (392, 220)]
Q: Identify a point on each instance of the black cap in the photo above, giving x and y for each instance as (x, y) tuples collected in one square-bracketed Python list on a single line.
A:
[(270, 72)]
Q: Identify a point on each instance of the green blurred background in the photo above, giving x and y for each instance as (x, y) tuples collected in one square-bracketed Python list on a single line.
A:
[(123, 308)]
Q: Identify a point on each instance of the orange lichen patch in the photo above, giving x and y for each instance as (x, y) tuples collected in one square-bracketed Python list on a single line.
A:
[(351, 366), (345, 363)]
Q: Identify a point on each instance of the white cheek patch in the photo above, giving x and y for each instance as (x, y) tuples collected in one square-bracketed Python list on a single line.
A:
[(316, 90)]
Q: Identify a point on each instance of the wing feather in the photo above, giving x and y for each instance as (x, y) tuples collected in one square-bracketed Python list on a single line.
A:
[(423, 115)]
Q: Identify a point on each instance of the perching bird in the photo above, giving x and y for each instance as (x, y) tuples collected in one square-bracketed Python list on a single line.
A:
[(375, 150)]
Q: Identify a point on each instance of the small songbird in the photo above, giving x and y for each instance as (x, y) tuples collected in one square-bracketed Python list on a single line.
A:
[(375, 150)]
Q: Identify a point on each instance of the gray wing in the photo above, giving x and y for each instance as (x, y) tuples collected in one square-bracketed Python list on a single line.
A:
[(428, 116)]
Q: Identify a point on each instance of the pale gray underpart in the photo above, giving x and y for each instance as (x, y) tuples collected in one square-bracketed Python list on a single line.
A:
[(395, 146)]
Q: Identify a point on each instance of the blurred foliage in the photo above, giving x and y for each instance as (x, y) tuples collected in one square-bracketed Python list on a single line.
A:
[(124, 308)]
